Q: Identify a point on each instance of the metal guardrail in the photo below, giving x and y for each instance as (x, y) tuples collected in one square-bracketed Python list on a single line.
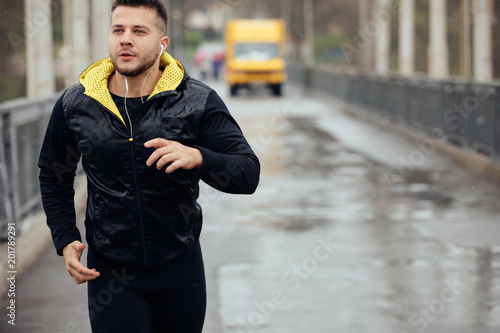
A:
[(463, 113), (22, 127)]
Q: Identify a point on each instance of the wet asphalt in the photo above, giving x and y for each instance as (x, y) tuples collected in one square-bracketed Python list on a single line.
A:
[(352, 229)]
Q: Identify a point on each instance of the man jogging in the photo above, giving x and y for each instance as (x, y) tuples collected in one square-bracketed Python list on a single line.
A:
[(146, 133)]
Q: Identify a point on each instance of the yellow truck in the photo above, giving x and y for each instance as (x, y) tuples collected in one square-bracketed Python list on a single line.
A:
[(255, 52)]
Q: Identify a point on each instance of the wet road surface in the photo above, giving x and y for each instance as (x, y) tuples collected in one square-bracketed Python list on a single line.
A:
[(352, 229)]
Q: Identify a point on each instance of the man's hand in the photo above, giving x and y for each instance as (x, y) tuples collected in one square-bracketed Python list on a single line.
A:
[(173, 152), (80, 274)]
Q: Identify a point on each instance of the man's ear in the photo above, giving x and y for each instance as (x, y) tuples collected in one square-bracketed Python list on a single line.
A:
[(164, 41)]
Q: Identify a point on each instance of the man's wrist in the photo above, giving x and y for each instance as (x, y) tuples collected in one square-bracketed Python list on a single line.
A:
[(198, 159)]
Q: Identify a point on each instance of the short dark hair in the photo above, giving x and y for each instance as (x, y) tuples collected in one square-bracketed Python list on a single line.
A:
[(157, 5)]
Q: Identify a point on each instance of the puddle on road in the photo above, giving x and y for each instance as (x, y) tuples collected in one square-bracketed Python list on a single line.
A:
[(331, 184), (423, 186), (311, 152)]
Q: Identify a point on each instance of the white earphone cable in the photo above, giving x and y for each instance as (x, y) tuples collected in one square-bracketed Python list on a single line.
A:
[(144, 82), (142, 88), (126, 110)]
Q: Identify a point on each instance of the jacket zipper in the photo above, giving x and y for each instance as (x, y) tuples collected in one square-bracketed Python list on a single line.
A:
[(136, 184), (137, 188), (138, 200)]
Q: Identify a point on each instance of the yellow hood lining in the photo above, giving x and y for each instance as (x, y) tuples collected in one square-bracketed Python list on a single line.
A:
[(95, 80)]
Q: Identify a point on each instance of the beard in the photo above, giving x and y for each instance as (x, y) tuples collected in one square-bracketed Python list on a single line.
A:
[(144, 65)]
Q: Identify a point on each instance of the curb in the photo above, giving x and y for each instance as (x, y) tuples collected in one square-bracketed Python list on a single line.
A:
[(36, 237)]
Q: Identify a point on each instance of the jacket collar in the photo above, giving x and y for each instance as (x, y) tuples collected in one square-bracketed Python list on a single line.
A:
[(95, 80)]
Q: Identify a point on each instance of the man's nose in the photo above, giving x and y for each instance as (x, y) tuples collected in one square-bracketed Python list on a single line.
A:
[(126, 39)]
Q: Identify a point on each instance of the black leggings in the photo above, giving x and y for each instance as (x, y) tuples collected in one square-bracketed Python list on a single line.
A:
[(167, 299)]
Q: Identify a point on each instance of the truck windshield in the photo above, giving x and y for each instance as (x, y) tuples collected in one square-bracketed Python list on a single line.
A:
[(256, 51)]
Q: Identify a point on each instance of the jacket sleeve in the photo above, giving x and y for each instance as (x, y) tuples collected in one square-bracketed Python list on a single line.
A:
[(229, 163), (58, 162)]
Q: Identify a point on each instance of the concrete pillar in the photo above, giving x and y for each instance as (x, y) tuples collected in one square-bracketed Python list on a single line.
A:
[(438, 52), (67, 51), (76, 38), (101, 21), (177, 29), (407, 37), (169, 21), (483, 47), (383, 38), (365, 44), (308, 31), (465, 40), (286, 14), (39, 48)]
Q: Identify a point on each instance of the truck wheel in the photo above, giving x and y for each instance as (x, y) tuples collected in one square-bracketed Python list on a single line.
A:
[(276, 88), (234, 90)]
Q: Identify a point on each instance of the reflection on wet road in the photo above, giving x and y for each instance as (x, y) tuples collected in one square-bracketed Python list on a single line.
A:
[(387, 236)]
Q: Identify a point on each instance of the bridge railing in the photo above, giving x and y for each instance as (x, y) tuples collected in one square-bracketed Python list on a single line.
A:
[(463, 113), (22, 127)]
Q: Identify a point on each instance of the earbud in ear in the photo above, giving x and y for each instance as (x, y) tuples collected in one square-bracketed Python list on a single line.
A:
[(162, 48)]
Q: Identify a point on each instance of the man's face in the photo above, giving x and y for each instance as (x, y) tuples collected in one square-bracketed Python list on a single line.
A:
[(134, 45)]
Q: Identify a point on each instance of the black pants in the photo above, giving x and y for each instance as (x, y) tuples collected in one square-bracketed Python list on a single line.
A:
[(167, 299)]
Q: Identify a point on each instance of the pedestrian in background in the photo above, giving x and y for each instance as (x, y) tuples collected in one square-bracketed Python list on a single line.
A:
[(217, 64), (146, 133)]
